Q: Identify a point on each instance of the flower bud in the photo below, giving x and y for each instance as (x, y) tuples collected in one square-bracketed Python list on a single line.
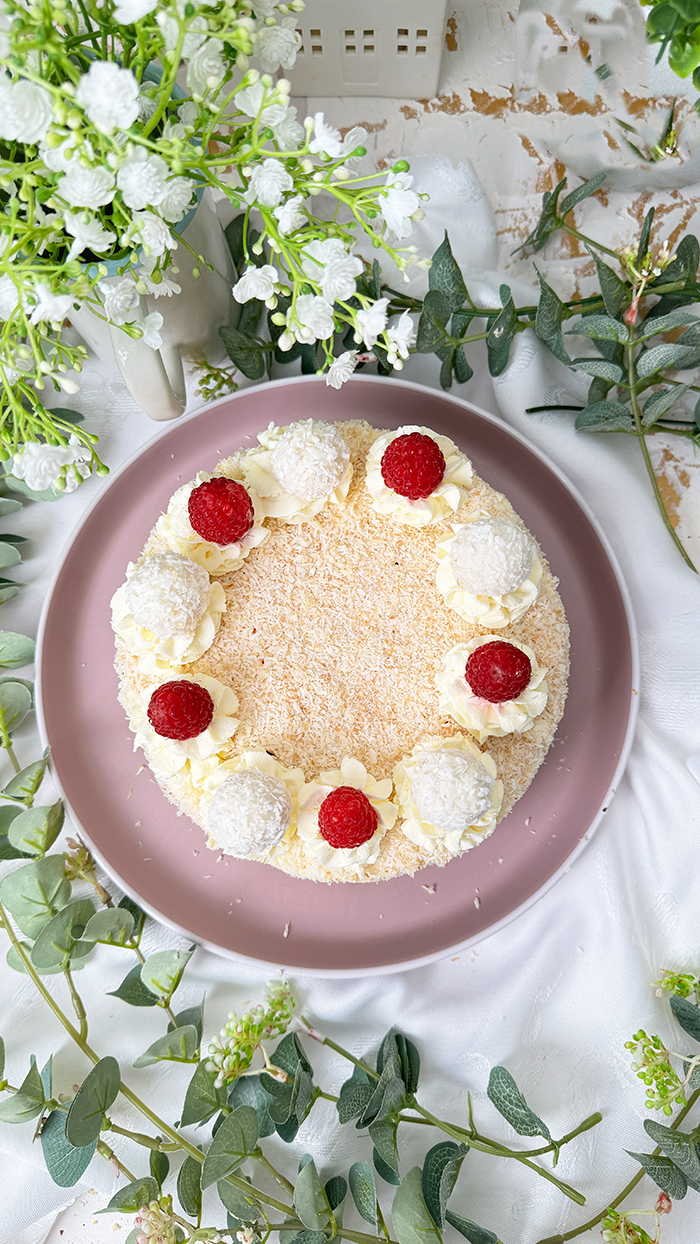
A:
[(278, 319), (401, 166), (266, 79), (307, 166)]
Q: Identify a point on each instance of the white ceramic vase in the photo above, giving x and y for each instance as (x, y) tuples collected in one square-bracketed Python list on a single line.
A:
[(191, 321)]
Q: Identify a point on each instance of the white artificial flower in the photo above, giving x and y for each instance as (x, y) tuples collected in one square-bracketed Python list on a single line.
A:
[(173, 130), (109, 95), (289, 217), (326, 140), (9, 297), (60, 159), (147, 106), (250, 99), (119, 299), (372, 321), (4, 45), (315, 315), (207, 68), (195, 37), (268, 183), (151, 325), (88, 233), (188, 113), (399, 204), (42, 466), (356, 137), (330, 265), (265, 8), (341, 369), (128, 11), (256, 283), (165, 288), (277, 46), (49, 306), (142, 179), (401, 335), (176, 200), (152, 231), (86, 187), (25, 111), (287, 130)]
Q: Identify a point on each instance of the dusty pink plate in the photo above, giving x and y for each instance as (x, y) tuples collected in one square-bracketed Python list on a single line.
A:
[(250, 910)]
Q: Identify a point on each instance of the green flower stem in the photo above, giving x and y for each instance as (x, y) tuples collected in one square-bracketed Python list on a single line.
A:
[(327, 1096), (147, 1142), (77, 1003), (105, 1152), (629, 351), (589, 241), (284, 1184), (323, 1040)]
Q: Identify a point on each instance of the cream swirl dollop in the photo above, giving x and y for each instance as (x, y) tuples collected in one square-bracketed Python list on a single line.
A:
[(448, 793), (480, 568), (351, 773), (249, 805), (298, 469), (447, 497), (169, 756), (480, 717), (167, 613), (175, 528)]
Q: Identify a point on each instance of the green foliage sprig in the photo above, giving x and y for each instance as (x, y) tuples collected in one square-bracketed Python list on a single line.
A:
[(675, 24)]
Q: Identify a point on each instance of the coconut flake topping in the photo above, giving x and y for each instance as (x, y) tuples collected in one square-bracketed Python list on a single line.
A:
[(451, 789), (310, 459), (168, 594), (249, 813), (491, 556)]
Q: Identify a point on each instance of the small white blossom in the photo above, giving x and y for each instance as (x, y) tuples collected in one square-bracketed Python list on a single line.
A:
[(173, 130), (152, 231), (250, 99), (256, 283), (60, 159), (165, 288), (315, 317), (86, 187), (195, 37), (42, 466), (207, 68), (151, 325), (25, 111), (9, 297), (268, 183), (88, 233), (109, 95), (399, 204), (372, 322), (176, 200), (188, 113), (330, 265), (119, 299), (289, 217), (49, 306), (128, 11), (142, 179), (147, 106), (356, 137), (401, 336), (326, 140), (287, 130), (341, 369), (277, 46)]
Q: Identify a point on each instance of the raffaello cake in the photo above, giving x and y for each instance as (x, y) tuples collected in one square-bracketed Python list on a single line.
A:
[(342, 654)]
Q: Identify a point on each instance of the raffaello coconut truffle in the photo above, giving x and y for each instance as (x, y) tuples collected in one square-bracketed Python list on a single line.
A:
[(168, 594), (310, 459), (250, 812)]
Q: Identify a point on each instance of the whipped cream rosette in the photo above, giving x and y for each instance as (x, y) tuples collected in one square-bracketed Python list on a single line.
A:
[(175, 528), (249, 805), (298, 469), (488, 571), (449, 794), (201, 753), (381, 811), (168, 612), (452, 481), (482, 717)]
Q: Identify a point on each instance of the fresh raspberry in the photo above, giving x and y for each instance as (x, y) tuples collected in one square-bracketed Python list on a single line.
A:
[(220, 511), (413, 465), (346, 818), (498, 671), (180, 710)]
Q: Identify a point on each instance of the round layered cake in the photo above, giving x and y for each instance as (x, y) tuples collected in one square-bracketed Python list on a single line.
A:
[(343, 654)]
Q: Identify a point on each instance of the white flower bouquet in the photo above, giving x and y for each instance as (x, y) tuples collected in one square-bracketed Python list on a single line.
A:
[(114, 117)]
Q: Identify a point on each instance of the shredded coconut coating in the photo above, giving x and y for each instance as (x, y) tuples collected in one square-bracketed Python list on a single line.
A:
[(310, 459), (332, 638), (249, 813), (452, 790), (168, 594), (491, 556)]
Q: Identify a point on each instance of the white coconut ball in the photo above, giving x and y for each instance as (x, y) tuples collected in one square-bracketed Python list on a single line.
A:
[(309, 460), (491, 556), (168, 594), (451, 789), (249, 813)]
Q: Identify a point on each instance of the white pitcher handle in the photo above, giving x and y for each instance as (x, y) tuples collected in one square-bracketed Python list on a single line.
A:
[(154, 378)]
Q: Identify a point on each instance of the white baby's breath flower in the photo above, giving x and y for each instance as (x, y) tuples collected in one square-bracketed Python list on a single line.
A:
[(88, 234), (152, 231), (164, 288), (372, 321), (326, 140), (268, 183), (356, 137), (289, 217), (119, 299), (128, 11), (142, 179), (399, 204), (9, 296), (341, 369), (207, 68), (256, 283), (188, 113), (176, 200), (277, 46), (49, 306), (109, 95), (315, 318), (250, 99), (43, 466), (195, 37), (25, 111), (150, 325), (59, 159), (287, 130), (329, 263), (401, 334), (86, 187), (174, 129)]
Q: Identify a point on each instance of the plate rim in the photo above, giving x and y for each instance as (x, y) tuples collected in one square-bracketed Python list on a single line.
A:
[(458, 947)]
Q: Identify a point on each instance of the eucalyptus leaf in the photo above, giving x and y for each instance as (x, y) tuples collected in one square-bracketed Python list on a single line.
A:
[(58, 939), (178, 1046), (432, 325), (8, 506), (665, 324), (36, 829), (688, 1016), (15, 703), (113, 926), (162, 972), (364, 1191), (444, 275), (599, 367), (336, 1190), (668, 354), (383, 1134), (385, 1172), (235, 1202), (202, 1099), (130, 1199), (440, 1170), (664, 1172), (505, 1095), (248, 358), (27, 1102), (470, 1231), (159, 1165), (65, 1162), (26, 783), (191, 1015), (234, 1142), (679, 1147), (550, 311), (15, 650), (355, 1095), (409, 1214), (248, 1091), (501, 334), (605, 417), (616, 294), (462, 370), (603, 327), (15, 961), (91, 1103), (7, 851), (645, 234), (35, 892), (139, 915), (9, 555), (8, 593), (47, 1078), (133, 991), (310, 1201), (189, 1190)]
